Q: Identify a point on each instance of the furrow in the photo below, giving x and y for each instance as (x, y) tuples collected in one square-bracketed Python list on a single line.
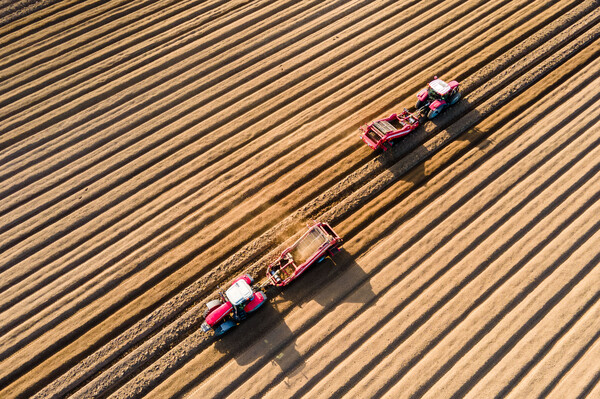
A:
[(136, 53), (18, 34), (448, 268), (258, 373), (578, 336), (53, 52), (152, 151)]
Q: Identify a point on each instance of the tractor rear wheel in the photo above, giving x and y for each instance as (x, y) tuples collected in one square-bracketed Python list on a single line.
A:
[(455, 97), (420, 104), (224, 327)]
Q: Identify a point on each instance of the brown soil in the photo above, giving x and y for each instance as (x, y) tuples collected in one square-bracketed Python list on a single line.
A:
[(154, 150)]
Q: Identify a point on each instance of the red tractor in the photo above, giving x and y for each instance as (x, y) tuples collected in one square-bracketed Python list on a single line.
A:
[(315, 245), (243, 297), (437, 96), (233, 306)]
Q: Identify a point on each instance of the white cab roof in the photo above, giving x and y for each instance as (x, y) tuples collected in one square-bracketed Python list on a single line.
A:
[(239, 292), (440, 86)]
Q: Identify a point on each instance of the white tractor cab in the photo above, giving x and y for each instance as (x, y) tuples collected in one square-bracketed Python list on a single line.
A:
[(233, 306), (239, 292)]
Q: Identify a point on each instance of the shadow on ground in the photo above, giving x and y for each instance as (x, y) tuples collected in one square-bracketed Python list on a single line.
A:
[(266, 337)]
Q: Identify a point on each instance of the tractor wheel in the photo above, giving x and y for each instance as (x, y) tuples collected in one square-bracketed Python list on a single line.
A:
[(454, 99), (420, 103), (224, 327), (433, 113)]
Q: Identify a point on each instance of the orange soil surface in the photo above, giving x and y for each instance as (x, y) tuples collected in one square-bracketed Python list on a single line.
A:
[(151, 151)]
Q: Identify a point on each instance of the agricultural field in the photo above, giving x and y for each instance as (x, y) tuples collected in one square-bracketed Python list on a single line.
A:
[(152, 151)]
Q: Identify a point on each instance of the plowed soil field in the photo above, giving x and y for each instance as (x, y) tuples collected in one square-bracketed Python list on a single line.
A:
[(151, 151)]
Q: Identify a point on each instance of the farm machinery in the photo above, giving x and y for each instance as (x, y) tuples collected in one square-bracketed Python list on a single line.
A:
[(232, 306), (243, 297), (430, 102), (380, 133), (313, 247)]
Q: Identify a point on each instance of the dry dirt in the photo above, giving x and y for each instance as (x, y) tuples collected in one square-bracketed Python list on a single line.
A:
[(151, 151)]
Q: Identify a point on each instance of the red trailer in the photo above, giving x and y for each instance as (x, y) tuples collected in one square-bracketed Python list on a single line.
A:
[(315, 245), (378, 134)]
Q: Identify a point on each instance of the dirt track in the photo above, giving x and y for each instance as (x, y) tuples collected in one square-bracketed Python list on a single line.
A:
[(153, 150)]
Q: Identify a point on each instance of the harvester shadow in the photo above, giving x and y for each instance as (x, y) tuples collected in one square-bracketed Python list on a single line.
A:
[(327, 283), (408, 158), (455, 120)]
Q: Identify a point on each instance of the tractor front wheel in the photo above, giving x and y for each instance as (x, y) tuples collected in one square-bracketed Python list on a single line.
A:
[(433, 113), (455, 97)]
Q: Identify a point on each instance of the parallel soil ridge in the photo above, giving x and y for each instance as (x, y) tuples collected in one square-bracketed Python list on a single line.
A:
[(152, 151)]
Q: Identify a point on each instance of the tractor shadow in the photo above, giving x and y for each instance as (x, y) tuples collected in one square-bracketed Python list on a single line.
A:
[(266, 338)]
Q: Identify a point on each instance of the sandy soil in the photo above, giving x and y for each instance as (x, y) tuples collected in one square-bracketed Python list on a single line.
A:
[(152, 151)]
